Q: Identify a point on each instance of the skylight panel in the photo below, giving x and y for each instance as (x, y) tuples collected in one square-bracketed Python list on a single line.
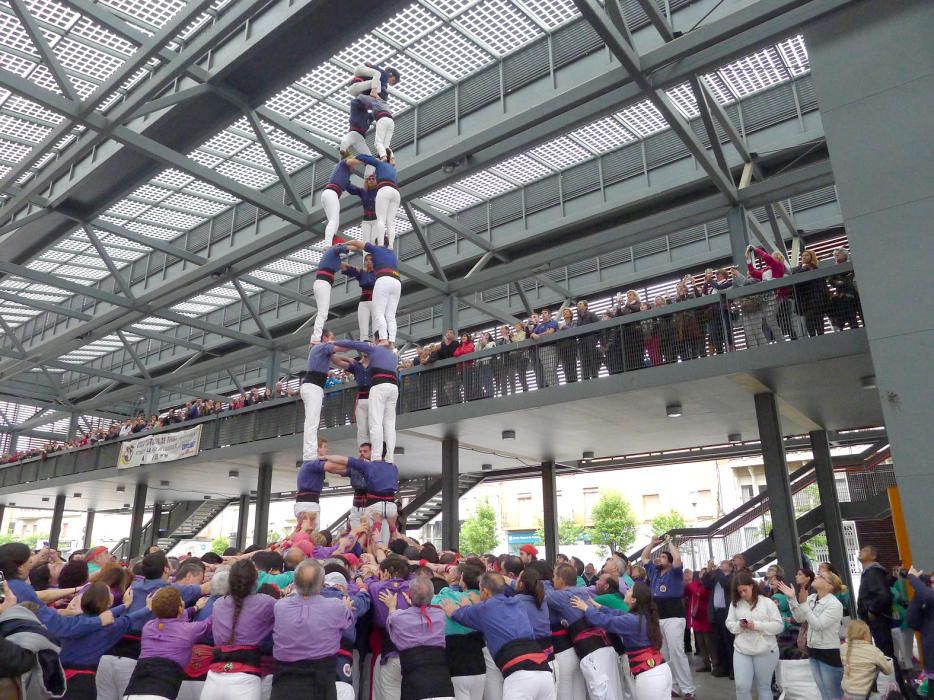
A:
[(22, 129), (110, 239), (267, 276), (326, 118), (86, 60), (226, 143), (56, 255), (417, 81), (15, 64), (52, 13), (643, 119), (561, 153), (409, 25), (522, 169), (124, 255), (367, 48), (151, 193), (683, 98), (246, 175), (354, 232), (208, 160), (452, 52), (87, 29), (485, 184), (499, 25), (145, 229), (199, 187), (604, 135), (93, 261), (43, 297), (81, 272), (14, 284), (41, 266), (196, 205), (155, 323), (308, 255), (550, 13), (795, 54), (403, 225), (155, 13), (13, 152), (283, 140), (27, 108), (226, 292), (325, 79), (14, 36), (451, 199), (128, 208), (292, 268), (172, 178), (451, 7), (72, 245), (255, 155), (212, 301), (172, 218), (720, 89), (290, 102), (192, 308), (755, 72)]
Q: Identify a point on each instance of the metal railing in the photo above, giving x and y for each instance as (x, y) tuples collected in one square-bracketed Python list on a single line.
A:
[(742, 318)]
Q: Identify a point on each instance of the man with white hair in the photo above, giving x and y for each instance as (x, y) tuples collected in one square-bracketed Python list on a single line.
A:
[(306, 637), (418, 634), (336, 586)]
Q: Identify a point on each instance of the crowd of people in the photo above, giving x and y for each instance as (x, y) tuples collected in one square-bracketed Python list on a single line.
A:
[(343, 616)]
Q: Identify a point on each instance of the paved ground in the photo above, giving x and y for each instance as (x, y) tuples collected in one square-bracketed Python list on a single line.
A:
[(710, 688)]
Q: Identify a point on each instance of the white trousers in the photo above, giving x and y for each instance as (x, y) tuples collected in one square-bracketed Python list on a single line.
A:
[(387, 204), (386, 295), (654, 684), (364, 318), (600, 669), (113, 674), (235, 686), (493, 685), (331, 202), (468, 687), (673, 651), (364, 86), (312, 396), (531, 685), (361, 412), (382, 419), (322, 293), (190, 690), (354, 517), (385, 127), (570, 679), (388, 681), (354, 143), (370, 231), (344, 691)]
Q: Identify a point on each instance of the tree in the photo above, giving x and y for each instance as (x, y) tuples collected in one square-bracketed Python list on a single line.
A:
[(570, 531), (273, 536), (32, 541), (478, 533), (219, 544), (614, 524), (663, 522)]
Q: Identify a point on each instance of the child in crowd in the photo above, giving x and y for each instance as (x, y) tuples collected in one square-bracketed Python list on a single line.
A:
[(862, 662)]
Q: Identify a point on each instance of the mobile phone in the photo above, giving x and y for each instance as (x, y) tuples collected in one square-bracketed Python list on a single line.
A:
[(2, 589), (744, 621)]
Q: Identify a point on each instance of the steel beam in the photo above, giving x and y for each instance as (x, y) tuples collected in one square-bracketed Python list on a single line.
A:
[(14, 224), (109, 263), (58, 512), (136, 360), (423, 239), (450, 494), (88, 529), (243, 522), (254, 314), (550, 508), (284, 177), (46, 55), (263, 496), (136, 520)]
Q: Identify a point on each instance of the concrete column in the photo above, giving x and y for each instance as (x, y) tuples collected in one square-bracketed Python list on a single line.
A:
[(88, 529), (830, 505), (58, 511), (155, 523), (263, 494), (550, 509), (449, 313), (136, 520), (72, 425), (739, 236), (873, 72), (784, 525), (243, 522), (450, 494), (272, 369), (152, 400), (2, 513)]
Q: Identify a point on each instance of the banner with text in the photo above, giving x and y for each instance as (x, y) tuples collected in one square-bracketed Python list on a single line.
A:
[(164, 447)]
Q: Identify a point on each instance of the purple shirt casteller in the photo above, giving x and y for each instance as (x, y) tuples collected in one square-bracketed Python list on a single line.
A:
[(308, 628), (254, 624), (171, 639), (416, 627)]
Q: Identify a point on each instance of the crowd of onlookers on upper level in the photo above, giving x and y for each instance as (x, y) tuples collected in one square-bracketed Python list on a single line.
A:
[(650, 340)]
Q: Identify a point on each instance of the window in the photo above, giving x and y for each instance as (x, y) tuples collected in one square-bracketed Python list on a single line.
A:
[(591, 498), (746, 492), (706, 505), (525, 516), (651, 505)]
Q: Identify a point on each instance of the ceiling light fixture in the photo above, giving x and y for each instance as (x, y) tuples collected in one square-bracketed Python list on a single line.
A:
[(869, 382), (486, 467), (121, 489), (588, 454), (163, 483), (45, 499), (673, 410), (398, 450), (76, 494), (509, 435), (233, 474), (735, 437)]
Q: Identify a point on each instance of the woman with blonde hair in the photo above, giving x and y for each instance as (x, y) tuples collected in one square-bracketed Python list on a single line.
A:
[(811, 297), (862, 662)]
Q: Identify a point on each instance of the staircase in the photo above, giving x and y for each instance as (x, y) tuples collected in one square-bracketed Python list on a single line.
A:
[(180, 521), (423, 508), (864, 497)]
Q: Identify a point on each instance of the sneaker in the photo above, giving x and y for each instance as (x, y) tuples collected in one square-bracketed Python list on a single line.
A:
[(719, 673)]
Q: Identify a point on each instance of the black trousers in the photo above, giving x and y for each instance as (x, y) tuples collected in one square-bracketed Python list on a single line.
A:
[(881, 630), (724, 639)]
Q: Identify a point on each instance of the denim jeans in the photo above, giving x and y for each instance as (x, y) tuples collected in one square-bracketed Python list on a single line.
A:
[(828, 679), (754, 672)]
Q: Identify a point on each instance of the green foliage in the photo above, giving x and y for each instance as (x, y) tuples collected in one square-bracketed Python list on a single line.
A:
[(273, 536), (478, 533), (614, 523), (219, 544), (570, 531), (663, 522), (30, 540)]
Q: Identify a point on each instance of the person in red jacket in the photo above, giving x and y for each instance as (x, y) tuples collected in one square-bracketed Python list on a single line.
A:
[(465, 369), (696, 603), (775, 268)]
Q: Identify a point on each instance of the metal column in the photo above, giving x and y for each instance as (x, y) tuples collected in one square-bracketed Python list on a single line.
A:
[(88, 530), (450, 494), (550, 509), (136, 520), (243, 521), (2, 512), (449, 313), (784, 525), (155, 523), (830, 504), (739, 236), (57, 513), (263, 494)]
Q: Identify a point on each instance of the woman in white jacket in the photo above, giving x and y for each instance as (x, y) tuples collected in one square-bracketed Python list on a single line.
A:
[(823, 612), (756, 622)]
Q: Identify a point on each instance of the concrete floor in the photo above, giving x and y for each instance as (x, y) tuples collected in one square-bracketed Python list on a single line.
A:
[(710, 688)]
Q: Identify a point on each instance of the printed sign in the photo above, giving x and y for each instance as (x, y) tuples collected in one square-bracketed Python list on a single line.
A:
[(164, 447)]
